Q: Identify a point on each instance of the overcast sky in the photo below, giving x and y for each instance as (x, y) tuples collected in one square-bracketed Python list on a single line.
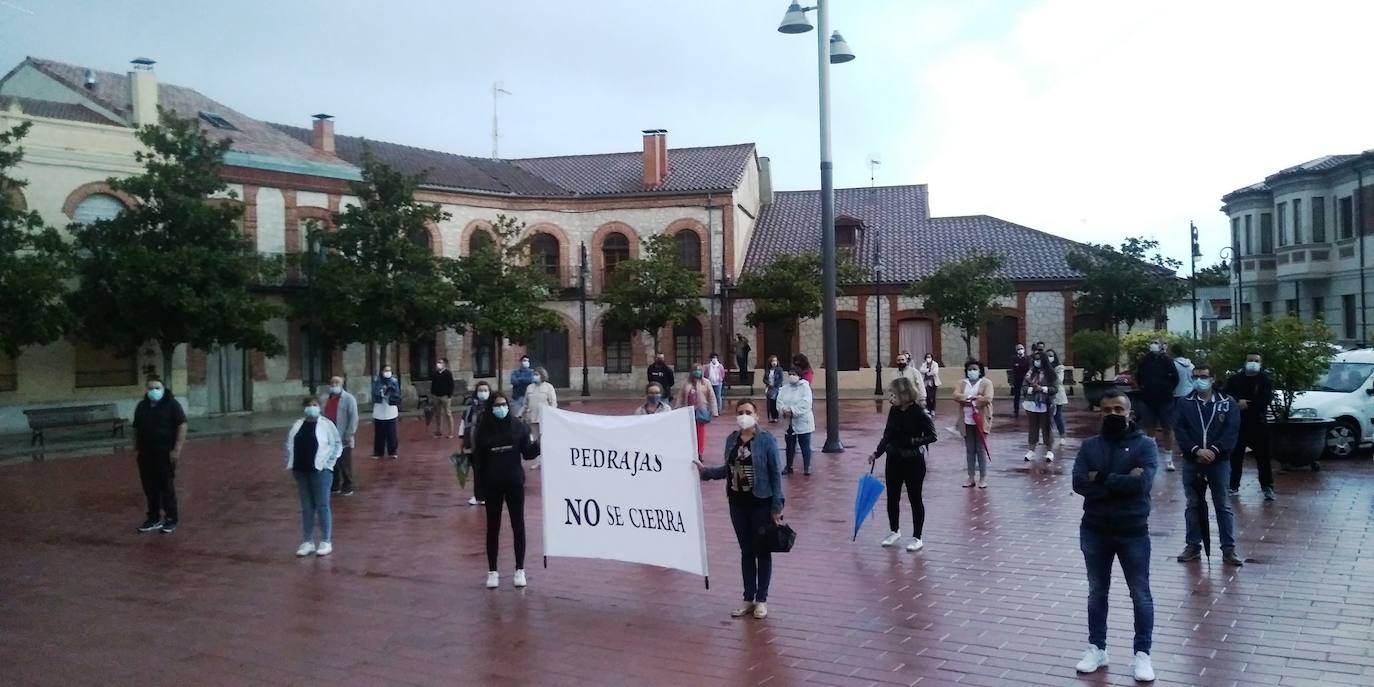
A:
[(1088, 119)]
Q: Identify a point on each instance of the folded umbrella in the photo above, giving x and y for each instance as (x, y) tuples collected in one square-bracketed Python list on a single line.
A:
[(462, 466), (982, 431), (1200, 485), (870, 488)]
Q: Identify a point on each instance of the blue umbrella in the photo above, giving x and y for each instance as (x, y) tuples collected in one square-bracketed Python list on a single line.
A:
[(870, 488)]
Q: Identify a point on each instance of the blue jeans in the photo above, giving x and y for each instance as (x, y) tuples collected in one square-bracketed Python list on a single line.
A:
[(313, 486), (751, 515), (805, 441), (1059, 420), (720, 395), (1218, 476), (1134, 553)]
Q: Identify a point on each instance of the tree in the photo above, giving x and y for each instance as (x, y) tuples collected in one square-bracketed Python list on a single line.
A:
[(1214, 275), (1128, 284), (375, 278), (1094, 352), (173, 268), (789, 288), (964, 292), (34, 262), (501, 291), (1296, 354), (651, 292)]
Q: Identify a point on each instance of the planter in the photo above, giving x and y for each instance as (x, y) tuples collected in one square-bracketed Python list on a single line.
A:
[(1299, 442), (1093, 391)]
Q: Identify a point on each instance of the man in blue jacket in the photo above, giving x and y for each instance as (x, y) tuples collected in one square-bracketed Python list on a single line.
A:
[(520, 380), (1206, 428), (1114, 472)]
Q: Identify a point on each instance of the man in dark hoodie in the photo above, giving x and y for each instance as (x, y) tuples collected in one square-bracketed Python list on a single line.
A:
[(1253, 390), (159, 434), (1020, 367), (1157, 378), (1114, 472), (661, 373)]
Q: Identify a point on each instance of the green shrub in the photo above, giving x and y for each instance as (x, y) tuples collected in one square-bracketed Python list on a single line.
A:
[(1094, 351), (1295, 353)]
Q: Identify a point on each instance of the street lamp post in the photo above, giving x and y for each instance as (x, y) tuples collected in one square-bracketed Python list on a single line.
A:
[(830, 48), (582, 305)]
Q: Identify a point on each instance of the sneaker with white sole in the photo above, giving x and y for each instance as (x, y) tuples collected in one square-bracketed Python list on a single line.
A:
[(305, 549), (760, 610), (1029, 455), (493, 580), (742, 611), (520, 580), (1093, 660), (915, 545), (1169, 464), (472, 501), (324, 549), (892, 538), (1141, 667), (1049, 456)]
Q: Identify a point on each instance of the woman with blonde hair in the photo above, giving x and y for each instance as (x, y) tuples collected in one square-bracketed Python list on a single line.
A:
[(908, 431)]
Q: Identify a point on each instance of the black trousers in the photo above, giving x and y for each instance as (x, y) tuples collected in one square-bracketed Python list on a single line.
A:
[(931, 391), (384, 437), (773, 413), (343, 471), (1016, 399), (1254, 438), (513, 495), (910, 472), (158, 474)]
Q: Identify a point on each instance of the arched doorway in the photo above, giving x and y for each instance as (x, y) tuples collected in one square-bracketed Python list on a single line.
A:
[(777, 340), (1001, 334), (549, 350)]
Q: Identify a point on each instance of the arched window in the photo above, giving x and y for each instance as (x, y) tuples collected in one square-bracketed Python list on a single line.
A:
[(688, 345), (847, 336), (688, 250), (544, 253), (478, 240), (614, 249), (616, 349), (95, 207), (422, 239)]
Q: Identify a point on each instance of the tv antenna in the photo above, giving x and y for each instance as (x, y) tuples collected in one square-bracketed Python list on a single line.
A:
[(497, 90)]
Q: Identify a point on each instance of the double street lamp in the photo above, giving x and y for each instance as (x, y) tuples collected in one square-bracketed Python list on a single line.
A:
[(830, 49)]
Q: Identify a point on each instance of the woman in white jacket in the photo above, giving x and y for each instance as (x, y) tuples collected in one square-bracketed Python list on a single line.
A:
[(312, 447), (539, 394), (794, 402), (930, 378)]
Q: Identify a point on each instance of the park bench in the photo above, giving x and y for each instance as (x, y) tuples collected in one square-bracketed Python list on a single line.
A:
[(42, 419)]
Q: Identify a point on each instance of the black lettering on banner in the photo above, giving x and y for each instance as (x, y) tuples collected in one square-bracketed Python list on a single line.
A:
[(613, 516), (582, 511)]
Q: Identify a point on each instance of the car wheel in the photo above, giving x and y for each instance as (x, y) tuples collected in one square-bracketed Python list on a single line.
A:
[(1342, 439)]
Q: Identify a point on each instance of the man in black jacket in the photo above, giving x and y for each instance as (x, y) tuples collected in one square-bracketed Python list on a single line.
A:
[(1254, 389), (1157, 378), (1114, 472), (1020, 367), (661, 374), (441, 388), (159, 433)]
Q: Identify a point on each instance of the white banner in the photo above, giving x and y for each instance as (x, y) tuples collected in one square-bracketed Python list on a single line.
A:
[(622, 488)]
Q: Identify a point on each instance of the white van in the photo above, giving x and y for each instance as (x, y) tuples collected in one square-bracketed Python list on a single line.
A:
[(1344, 394)]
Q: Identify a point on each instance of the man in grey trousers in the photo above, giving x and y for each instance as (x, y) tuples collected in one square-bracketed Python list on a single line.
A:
[(342, 409)]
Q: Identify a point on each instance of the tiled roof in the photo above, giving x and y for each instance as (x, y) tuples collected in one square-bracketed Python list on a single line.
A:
[(441, 169), (714, 168), (1322, 164), (913, 244), (111, 90), (55, 110)]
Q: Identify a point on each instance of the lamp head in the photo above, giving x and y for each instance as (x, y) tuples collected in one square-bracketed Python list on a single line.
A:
[(794, 21), (839, 49)]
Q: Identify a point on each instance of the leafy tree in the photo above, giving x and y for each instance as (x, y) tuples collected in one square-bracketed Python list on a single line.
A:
[(1214, 275), (375, 279), (1128, 284), (1296, 354), (789, 288), (651, 292), (173, 268), (964, 292), (502, 291), (34, 261), (1095, 351)]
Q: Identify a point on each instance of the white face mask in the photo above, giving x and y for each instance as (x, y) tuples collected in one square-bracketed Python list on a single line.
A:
[(483, 395), (793, 379), (440, 366), (973, 375), (524, 363), (1154, 348), (536, 379), (746, 421), (336, 389), (386, 374)]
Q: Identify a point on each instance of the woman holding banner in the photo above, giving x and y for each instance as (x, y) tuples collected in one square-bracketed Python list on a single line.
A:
[(753, 486), (500, 446), (974, 396), (698, 395), (653, 401)]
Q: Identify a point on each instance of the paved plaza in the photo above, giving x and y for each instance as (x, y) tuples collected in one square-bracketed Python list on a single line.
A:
[(997, 597)]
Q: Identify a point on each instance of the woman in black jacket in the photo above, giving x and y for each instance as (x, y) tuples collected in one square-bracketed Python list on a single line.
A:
[(503, 442), (908, 430)]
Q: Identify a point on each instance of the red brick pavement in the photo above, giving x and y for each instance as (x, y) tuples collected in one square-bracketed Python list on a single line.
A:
[(997, 597)]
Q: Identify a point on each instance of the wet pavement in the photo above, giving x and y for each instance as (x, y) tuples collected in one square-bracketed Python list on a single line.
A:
[(997, 597)]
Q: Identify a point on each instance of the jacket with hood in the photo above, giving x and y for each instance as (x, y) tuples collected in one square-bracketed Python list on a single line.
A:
[(1185, 377), (1114, 502), (1157, 377), (1213, 424), (797, 399)]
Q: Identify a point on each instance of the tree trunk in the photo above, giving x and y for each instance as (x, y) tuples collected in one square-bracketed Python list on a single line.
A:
[(654, 336), (500, 359), (167, 351), (968, 346)]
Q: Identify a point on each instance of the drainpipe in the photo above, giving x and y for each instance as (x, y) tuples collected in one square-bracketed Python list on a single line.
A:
[(1359, 226)]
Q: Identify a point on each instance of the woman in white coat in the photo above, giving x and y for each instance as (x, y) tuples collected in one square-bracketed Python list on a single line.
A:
[(539, 395), (312, 446), (794, 402), (930, 378)]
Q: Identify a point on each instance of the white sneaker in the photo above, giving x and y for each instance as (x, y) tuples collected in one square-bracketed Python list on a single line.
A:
[(1141, 667), (1093, 659), (892, 538), (472, 501), (493, 580), (1049, 456), (325, 548), (1169, 463), (915, 545), (1029, 455), (305, 549), (520, 580)]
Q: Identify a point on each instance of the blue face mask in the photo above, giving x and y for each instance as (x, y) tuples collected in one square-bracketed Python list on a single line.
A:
[(1252, 367), (155, 394), (1202, 384), (653, 398), (500, 412), (312, 412)]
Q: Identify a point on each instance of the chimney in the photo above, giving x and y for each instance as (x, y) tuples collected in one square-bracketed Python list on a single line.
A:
[(323, 136), (143, 92), (765, 181), (653, 166)]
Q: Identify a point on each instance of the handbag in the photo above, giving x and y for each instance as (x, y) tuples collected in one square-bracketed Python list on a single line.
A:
[(776, 538)]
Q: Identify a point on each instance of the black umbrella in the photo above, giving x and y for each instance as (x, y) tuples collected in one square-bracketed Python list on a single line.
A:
[(1200, 485)]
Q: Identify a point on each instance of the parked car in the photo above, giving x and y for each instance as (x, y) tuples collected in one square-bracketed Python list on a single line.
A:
[(1344, 394)]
